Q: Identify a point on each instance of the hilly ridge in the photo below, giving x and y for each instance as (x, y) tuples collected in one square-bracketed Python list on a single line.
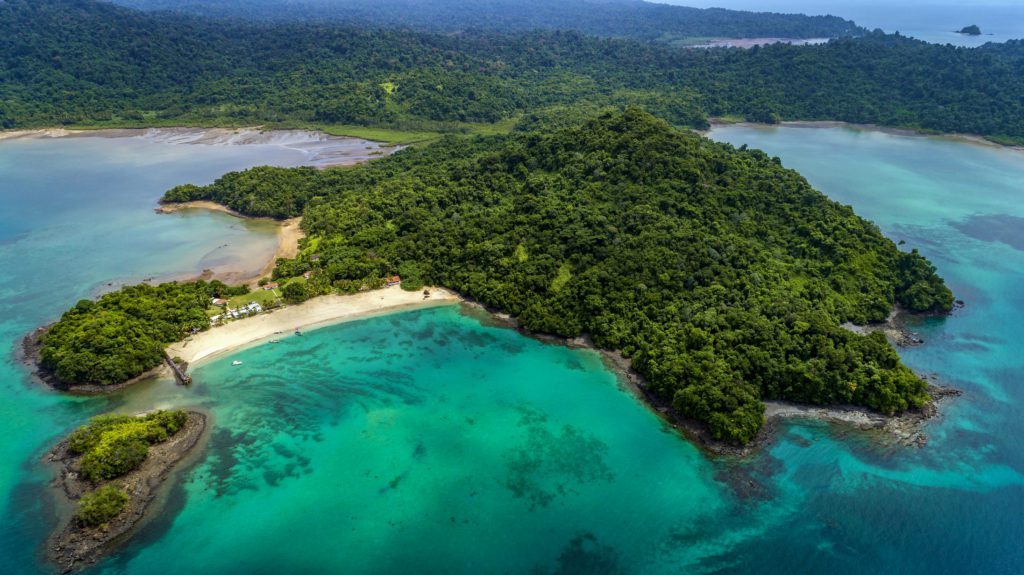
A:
[(722, 275), (611, 18), (82, 62)]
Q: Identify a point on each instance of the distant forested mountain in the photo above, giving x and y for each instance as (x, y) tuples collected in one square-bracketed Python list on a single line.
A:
[(84, 62), (612, 18)]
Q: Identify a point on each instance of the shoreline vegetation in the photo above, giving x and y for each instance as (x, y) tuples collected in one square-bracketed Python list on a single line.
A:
[(421, 81), (29, 354), (904, 429), (670, 310), (313, 313), (112, 505)]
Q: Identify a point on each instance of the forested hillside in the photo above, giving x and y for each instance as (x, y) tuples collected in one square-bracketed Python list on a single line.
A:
[(124, 333), (612, 18), (82, 62), (722, 275)]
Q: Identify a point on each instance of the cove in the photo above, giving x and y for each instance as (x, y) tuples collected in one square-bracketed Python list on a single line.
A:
[(76, 214), (435, 442)]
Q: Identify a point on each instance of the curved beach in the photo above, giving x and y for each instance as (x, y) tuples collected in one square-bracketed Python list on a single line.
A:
[(317, 312), (289, 234)]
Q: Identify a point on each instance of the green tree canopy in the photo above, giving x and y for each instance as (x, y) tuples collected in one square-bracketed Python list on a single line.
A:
[(724, 276)]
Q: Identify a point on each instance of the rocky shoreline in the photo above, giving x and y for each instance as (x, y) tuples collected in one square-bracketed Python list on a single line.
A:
[(75, 546), (28, 354), (894, 328), (905, 429)]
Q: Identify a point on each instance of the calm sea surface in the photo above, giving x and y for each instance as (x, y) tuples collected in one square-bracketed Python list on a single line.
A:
[(433, 442), (929, 20)]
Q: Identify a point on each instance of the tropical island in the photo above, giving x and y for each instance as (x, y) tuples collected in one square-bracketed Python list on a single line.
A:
[(972, 30), (112, 468), (723, 277), (556, 177)]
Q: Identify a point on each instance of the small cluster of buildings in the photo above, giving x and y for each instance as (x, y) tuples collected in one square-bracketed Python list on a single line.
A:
[(252, 308)]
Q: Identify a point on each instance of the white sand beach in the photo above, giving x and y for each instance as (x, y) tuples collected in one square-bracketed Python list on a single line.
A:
[(317, 312)]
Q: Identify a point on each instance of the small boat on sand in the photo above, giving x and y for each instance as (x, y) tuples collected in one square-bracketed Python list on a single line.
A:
[(236, 362)]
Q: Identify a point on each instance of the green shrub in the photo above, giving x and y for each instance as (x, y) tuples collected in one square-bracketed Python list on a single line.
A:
[(114, 457), (113, 445), (88, 436), (100, 506)]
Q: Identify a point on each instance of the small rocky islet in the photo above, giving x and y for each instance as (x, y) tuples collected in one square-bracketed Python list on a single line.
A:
[(112, 469)]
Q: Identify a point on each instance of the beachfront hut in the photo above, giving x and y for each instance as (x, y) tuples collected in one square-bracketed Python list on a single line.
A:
[(219, 302), (393, 281)]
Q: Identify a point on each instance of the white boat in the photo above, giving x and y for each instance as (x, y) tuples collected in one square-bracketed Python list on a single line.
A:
[(236, 362)]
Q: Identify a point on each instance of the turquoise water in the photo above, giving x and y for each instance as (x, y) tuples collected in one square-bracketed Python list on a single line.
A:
[(433, 442)]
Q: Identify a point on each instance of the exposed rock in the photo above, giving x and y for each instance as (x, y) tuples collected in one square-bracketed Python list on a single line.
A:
[(75, 545)]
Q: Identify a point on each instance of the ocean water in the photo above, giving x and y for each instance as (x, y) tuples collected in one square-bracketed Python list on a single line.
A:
[(929, 20), (432, 441), (76, 218), (954, 506)]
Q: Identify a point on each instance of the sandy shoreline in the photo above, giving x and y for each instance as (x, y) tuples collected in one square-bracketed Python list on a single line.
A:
[(317, 312), (289, 234), (174, 208)]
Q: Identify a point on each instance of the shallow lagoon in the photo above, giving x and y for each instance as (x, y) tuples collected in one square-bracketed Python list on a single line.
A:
[(433, 442)]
